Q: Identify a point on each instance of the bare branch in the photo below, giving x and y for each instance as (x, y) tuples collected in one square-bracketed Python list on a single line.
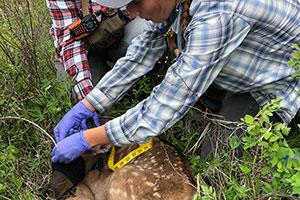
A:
[(34, 124)]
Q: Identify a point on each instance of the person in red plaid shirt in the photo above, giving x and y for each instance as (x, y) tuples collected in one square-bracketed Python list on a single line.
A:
[(83, 64)]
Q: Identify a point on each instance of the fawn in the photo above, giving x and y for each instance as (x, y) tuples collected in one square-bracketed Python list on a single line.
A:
[(159, 173)]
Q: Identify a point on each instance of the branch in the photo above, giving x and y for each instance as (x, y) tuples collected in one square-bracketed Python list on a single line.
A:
[(34, 124), (278, 195)]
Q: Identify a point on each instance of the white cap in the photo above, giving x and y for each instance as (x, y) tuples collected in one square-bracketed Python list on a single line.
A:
[(113, 3)]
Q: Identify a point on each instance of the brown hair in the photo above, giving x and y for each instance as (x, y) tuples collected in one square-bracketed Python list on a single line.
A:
[(185, 19)]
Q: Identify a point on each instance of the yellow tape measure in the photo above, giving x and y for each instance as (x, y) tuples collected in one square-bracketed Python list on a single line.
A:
[(169, 32), (141, 149)]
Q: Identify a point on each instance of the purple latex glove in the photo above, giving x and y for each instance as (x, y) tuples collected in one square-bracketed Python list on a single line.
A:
[(70, 148), (84, 125), (72, 120), (87, 122)]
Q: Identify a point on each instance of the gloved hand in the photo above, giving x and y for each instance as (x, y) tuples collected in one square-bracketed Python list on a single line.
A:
[(72, 119), (87, 122), (70, 148)]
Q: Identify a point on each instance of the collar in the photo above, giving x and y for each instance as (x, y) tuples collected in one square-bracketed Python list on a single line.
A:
[(166, 26)]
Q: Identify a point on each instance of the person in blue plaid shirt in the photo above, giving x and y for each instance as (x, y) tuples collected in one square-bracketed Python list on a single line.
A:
[(241, 46)]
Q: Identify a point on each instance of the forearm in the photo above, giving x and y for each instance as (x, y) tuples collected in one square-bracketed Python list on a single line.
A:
[(96, 136), (88, 105)]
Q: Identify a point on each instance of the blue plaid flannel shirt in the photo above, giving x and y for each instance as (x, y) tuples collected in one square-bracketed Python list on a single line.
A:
[(240, 45)]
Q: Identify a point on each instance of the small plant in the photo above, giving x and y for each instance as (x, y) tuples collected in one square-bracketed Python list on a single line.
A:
[(268, 168), (295, 62), (204, 192), (281, 161), (144, 88)]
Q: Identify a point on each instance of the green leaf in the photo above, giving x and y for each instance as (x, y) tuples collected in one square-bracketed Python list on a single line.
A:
[(284, 143), (267, 185), (245, 169), (2, 101), (265, 170), (264, 144), (233, 142), (286, 130), (289, 164), (249, 119), (282, 152), (251, 127), (292, 63), (296, 55), (297, 180), (257, 188), (274, 138), (267, 135), (291, 153), (277, 175), (296, 190), (296, 46), (177, 143), (279, 165), (276, 146), (274, 161)]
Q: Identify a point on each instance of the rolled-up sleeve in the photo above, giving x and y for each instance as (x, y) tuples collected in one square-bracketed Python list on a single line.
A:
[(209, 43)]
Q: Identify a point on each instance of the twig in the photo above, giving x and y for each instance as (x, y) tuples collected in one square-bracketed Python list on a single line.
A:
[(168, 158), (278, 195), (4, 197), (34, 124), (199, 141)]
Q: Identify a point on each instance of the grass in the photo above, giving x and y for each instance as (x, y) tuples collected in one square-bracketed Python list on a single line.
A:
[(33, 100)]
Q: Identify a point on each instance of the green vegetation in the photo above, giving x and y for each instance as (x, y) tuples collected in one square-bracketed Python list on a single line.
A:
[(295, 61), (268, 168), (33, 100)]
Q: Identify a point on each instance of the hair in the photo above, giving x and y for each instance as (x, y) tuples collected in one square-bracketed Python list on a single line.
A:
[(185, 20)]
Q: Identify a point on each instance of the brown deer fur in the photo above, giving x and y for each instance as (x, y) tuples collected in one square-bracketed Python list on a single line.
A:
[(159, 173)]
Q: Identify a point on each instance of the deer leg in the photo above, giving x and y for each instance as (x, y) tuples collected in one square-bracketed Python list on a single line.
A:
[(82, 192)]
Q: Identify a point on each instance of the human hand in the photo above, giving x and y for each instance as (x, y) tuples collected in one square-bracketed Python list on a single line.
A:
[(70, 148), (84, 125), (72, 120), (86, 122)]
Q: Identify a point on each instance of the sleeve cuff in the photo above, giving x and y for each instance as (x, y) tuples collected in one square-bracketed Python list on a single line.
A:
[(118, 139), (83, 88), (99, 100)]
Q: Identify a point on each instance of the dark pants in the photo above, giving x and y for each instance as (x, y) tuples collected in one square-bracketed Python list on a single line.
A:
[(234, 107)]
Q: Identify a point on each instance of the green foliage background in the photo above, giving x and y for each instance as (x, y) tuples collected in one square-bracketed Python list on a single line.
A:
[(33, 100)]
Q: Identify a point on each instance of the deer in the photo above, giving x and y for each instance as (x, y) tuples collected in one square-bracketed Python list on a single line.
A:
[(161, 172)]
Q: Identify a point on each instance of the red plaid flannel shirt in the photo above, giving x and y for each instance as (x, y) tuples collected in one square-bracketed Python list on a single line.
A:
[(72, 54)]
